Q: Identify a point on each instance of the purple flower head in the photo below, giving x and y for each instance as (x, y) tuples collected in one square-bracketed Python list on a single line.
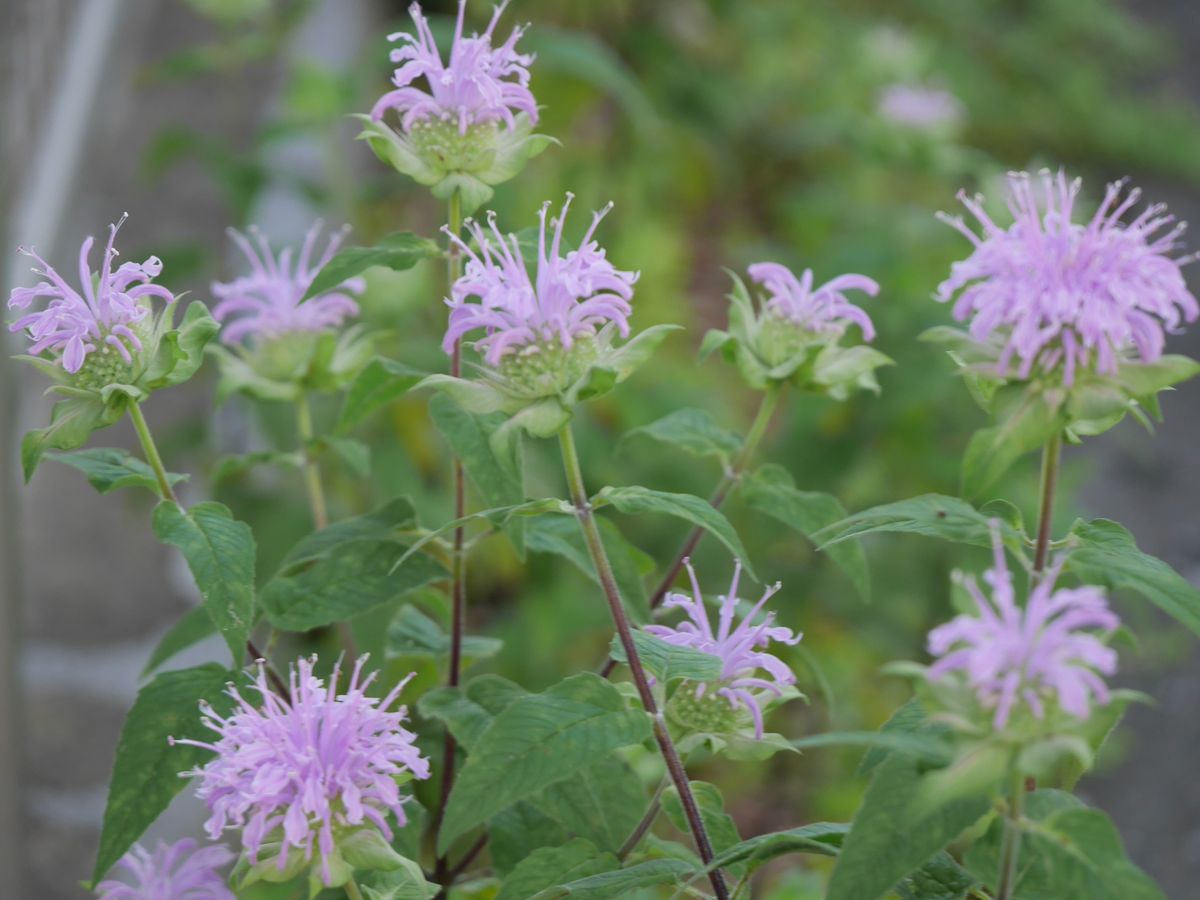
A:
[(740, 649), (1058, 293), (919, 106), (570, 297), (172, 872), (480, 83), (266, 302), (104, 314), (299, 771), (824, 311), (1010, 654)]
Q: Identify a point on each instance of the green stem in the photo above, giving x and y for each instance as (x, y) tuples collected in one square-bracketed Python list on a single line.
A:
[(616, 608), (635, 836), (1051, 455), (312, 471), (151, 451), (352, 890), (1010, 846), (458, 560)]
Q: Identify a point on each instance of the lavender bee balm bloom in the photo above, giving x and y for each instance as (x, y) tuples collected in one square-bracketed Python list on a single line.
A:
[(741, 650), (1009, 654), (1062, 297), (314, 774), (465, 123), (172, 872), (266, 303), (541, 330), (92, 332)]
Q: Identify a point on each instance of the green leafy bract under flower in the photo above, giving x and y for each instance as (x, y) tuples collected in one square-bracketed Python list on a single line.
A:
[(289, 365), (771, 348), (100, 392)]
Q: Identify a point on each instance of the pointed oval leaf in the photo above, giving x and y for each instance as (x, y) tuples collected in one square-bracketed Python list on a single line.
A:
[(398, 251)]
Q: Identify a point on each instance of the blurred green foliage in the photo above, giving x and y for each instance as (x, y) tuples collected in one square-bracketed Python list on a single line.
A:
[(726, 132)]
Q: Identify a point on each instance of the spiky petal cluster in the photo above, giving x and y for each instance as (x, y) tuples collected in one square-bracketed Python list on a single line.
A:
[(266, 302), (298, 770), (102, 314), (175, 871), (919, 106), (823, 311), (739, 648), (1059, 293), (479, 84), (1009, 654), (570, 297)]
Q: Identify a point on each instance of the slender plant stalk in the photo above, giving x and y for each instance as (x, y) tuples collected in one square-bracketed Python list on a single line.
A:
[(151, 451), (1051, 455), (469, 857), (352, 890), (616, 607), (1010, 846), (316, 504), (635, 836), (766, 409), (458, 564), (312, 471)]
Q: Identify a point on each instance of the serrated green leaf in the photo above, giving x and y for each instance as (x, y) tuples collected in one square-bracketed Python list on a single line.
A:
[(107, 469), (406, 882), (668, 662), (820, 838), (72, 422), (636, 500), (398, 251), (386, 522), (563, 537), (770, 490), (942, 878), (498, 478), (536, 741), (352, 578), (692, 431), (220, 554), (1108, 555), (921, 746), (468, 711), (889, 838), (550, 866), (412, 633), (146, 772), (932, 515), (618, 883), (517, 832), (1066, 850), (1029, 423), (195, 625), (603, 803), (497, 518), (722, 831), (376, 385)]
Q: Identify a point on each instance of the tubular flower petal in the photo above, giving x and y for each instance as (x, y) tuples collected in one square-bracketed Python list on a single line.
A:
[(570, 297), (298, 772), (172, 872), (824, 311), (267, 302), (1063, 296), (739, 648), (102, 317), (479, 84), (1009, 654)]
